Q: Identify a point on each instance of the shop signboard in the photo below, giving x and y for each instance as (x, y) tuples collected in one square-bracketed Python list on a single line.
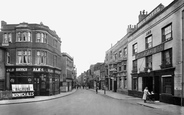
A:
[(22, 90)]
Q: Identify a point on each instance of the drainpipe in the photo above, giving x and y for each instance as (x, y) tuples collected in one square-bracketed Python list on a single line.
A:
[(182, 81)]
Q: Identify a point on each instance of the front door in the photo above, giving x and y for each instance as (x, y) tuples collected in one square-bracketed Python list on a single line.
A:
[(115, 85), (37, 86), (157, 87)]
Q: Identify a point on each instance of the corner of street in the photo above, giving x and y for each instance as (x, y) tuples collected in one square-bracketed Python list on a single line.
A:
[(36, 98)]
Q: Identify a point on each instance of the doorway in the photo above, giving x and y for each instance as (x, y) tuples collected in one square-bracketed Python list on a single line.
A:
[(157, 87), (37, 86), (148, 82), (115, 85)]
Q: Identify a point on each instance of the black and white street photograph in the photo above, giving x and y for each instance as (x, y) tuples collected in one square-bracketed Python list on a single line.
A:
[(92, 57)]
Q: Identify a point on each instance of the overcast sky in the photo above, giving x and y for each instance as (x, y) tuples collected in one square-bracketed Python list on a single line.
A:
[(87, 28)]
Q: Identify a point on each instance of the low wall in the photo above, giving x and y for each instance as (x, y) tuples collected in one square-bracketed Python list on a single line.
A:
[(135, 93), (5, 95), (166, 98)]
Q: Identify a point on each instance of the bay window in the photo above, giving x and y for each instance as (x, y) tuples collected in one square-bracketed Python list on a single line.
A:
[(41, 58), (23, 56), (24, 36), (41, 37)]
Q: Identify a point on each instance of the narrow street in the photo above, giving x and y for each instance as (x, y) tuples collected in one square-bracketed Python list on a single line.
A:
[(82, 102)]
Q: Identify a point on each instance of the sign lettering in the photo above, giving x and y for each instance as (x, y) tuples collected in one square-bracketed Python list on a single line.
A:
[(21, 69), (10, 70), (50, 71), (38, 69), (150, 51), (23, 94), (151, 14)]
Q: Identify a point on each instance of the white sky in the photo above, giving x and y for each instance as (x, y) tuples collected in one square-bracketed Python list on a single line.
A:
[(87, 28)]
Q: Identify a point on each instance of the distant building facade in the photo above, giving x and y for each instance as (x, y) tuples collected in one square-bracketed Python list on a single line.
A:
[(2, 68), (116, 64), (68, 72)]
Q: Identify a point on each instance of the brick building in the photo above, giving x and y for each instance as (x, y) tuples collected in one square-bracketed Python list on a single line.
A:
[(33, 57)]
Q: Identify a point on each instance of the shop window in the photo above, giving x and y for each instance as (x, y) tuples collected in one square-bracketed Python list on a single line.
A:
[(125, 51), (134, 83), (55, 43), (125, 82), (119, 69), (106, 57), (134, 49), (167, 33), (167, 85), (120, 53), (24, 57), (149, 62), (115, 56), (166, 58), (38, 37), (55, 60), (7, 38), (23, 36), (8, 58), (134, 65), (41, 57), (148, 42), (111, 56)]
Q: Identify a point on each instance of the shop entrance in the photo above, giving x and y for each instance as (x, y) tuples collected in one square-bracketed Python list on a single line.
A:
[(148, 82), (115, 85), (37, 86), (157, 87)]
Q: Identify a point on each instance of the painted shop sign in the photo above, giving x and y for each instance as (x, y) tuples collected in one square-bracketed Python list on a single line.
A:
[(21, 69), (58, 72), (22, 90), (38, 69), (22, 94), (50, 71), (158, 9), (10, 69), (150, 51), (22, 87)]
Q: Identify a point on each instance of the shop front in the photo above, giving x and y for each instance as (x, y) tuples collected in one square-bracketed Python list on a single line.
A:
[(164, 86), (45, 81), (19, 80)]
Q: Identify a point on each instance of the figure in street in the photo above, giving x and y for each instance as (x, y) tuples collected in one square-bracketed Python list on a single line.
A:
[(96, 89), (145, 94)]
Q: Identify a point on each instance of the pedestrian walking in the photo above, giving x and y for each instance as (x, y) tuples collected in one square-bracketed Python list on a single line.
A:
[(104, 89), (96, 89), (145, 94)]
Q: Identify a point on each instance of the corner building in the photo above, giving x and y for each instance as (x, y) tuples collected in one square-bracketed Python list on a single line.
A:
[(32, 56), (155, 53)]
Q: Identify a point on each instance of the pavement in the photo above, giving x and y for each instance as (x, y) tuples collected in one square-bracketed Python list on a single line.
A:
[(36, 98), (151, 104)]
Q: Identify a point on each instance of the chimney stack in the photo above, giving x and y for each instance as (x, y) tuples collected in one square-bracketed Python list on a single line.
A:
[(131, 28), (142, 15)]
